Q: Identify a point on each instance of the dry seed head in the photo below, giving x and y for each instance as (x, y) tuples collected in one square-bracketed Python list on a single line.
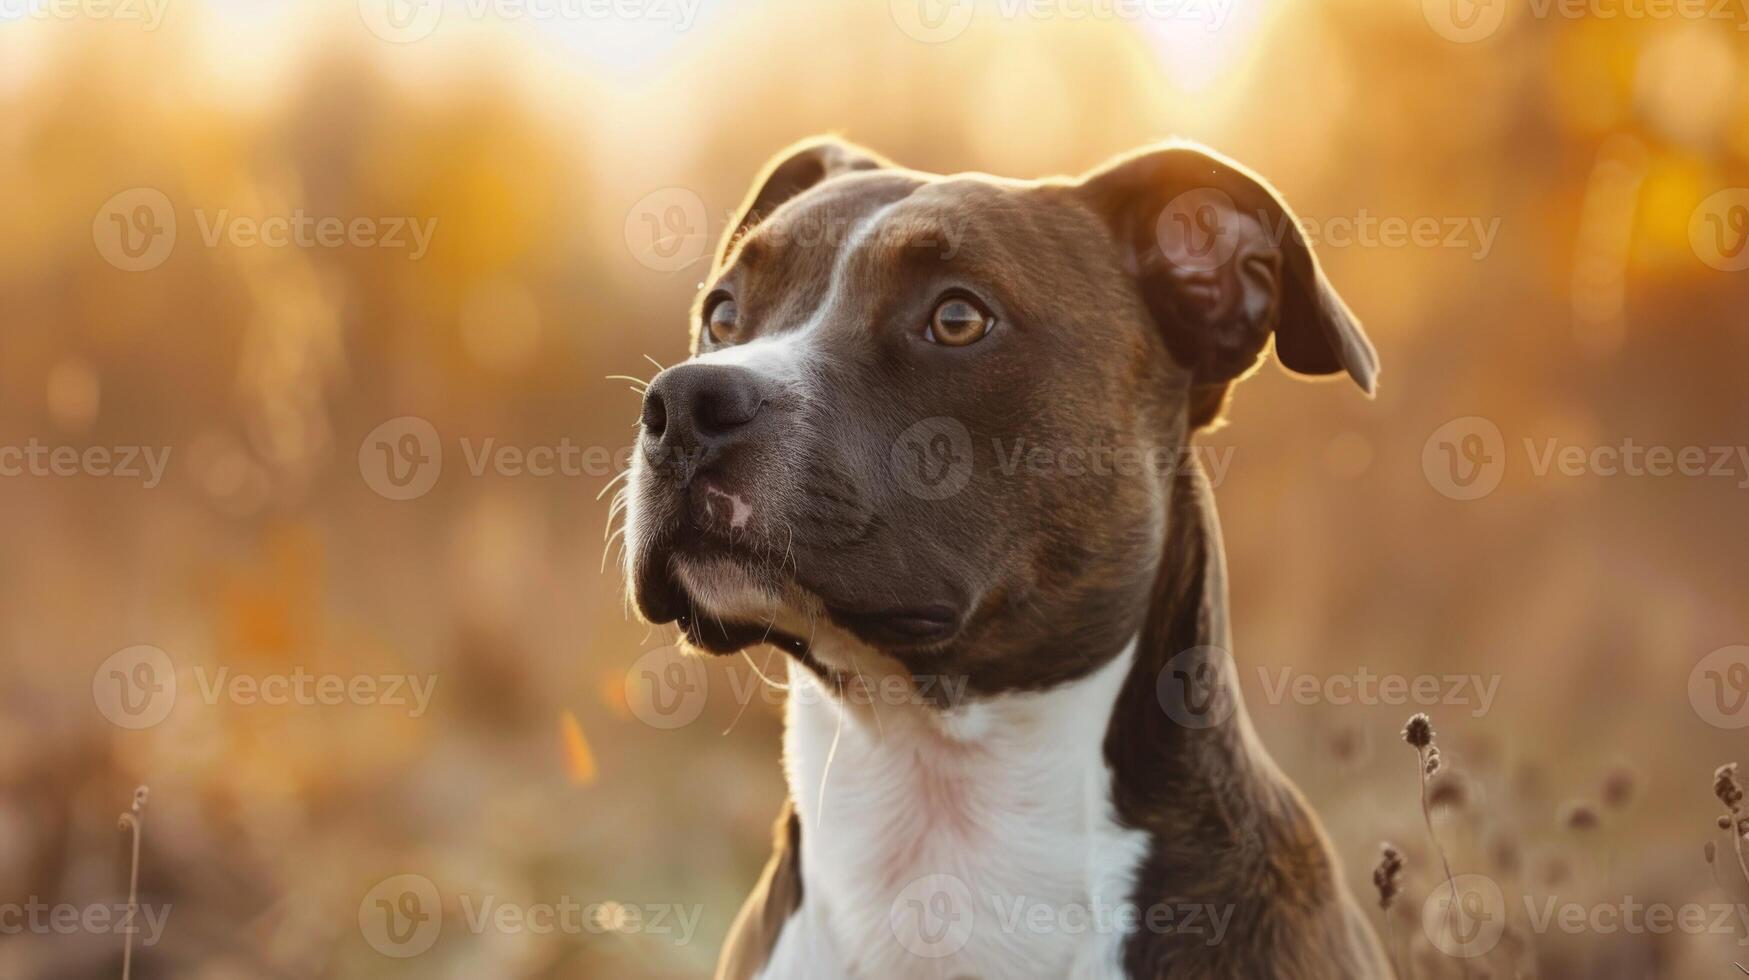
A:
[(1419, 731), (1725, 786), (1386, 876)]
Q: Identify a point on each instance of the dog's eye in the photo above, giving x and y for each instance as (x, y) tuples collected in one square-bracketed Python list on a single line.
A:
[(958, 321), (719, 319)]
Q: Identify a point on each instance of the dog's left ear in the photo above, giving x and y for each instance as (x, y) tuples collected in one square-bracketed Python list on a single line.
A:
[(792, 171), (1223, 267)]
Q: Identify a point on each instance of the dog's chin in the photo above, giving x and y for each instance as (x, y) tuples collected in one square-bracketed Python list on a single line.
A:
[(724, 604)]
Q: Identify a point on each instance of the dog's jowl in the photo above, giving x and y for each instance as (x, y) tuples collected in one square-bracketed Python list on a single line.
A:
[(1015, 744)]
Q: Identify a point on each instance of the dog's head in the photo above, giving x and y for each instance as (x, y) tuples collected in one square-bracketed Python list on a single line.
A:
[(938, 416)]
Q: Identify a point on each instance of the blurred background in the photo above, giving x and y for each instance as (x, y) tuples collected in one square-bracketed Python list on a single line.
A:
[(262, 263)]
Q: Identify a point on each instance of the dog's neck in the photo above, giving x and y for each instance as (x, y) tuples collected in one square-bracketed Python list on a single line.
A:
[(1062, 797)]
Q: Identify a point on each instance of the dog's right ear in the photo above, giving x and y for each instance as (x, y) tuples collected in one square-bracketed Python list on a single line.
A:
[(792, 171), (1225, 271)]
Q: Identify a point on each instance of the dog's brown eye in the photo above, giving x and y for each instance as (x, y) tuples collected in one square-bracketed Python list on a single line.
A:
[(958, 321), (720, 317)]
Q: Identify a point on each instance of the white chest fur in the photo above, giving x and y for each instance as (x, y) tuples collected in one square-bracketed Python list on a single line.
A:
[(973, 842)]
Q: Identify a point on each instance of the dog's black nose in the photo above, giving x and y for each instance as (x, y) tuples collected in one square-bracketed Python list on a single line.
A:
[(692, 412)]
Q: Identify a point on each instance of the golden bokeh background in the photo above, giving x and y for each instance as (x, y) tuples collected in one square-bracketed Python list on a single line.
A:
[(570, 168)]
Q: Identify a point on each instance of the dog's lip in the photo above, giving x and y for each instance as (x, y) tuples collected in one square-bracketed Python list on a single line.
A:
[(724, 637), (929, 624)]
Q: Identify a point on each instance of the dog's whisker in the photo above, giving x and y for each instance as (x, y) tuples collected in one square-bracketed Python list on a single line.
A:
[(652, 360), (874, 703), (622, 474), (831, 754), (640, 383), (608, 544), (743, 709), (621, 501)]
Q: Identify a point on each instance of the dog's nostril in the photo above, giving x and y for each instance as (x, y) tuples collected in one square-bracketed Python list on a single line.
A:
[(718, 411), (655, 416)]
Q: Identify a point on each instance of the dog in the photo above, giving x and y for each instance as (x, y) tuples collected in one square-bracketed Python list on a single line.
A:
[(1014, 739)]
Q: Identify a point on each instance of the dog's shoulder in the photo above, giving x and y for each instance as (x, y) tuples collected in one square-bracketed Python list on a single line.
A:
[(769, 907)]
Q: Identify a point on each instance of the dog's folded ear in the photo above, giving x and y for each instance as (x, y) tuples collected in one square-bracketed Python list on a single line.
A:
[(792, 171), (1223, 267)]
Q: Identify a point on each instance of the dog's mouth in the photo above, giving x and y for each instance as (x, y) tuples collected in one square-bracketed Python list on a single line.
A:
[(727, 595)]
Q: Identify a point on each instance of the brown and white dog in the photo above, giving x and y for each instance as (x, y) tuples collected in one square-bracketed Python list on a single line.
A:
[(1069, 786)]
